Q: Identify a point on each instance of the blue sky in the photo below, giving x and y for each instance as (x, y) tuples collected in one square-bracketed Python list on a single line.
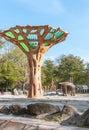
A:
[(71, 15)]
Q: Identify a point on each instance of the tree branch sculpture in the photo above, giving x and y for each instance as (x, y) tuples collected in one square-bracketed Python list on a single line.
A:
[(34, 41)]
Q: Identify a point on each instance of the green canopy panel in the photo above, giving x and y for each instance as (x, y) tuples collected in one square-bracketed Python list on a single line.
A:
[(20, 37), (32, 37), (24, 46), (46, 44), (33, 31), (58, 34), (24, 30), (17, 30), (41, 31), (33, 45), (10, 34), (51, 30), (49, 36)]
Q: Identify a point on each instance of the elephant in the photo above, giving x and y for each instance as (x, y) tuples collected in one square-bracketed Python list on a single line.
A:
[(67, 87)]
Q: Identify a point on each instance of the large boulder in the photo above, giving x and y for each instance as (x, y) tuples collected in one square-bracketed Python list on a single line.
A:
[(41, 108), (17, 110), (68, 111), (81, 120), (4, 109), (84, 119)]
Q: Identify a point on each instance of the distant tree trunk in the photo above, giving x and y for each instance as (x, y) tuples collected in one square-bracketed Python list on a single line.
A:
[(35, 86)]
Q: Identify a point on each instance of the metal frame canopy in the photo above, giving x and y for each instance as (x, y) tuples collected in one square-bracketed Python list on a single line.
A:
[(34, 41)]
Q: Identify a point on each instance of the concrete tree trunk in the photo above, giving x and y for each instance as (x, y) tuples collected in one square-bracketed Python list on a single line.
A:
[(35, 86)]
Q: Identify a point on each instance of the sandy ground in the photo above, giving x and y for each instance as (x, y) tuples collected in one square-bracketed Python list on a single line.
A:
[(80, 101)]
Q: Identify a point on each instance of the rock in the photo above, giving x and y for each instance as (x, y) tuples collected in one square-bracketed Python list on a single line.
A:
[(41, 108), (15, 92), (17, 110), (71, 120), (84, 119), (5, 110), (68, 111), (20, 92), (78, 120)]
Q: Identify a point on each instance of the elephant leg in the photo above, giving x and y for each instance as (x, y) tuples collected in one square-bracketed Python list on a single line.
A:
[(64, 89), (66, 92), (73, 91)]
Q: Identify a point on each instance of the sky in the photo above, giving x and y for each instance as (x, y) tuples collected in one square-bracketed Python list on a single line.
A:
[(70, 15)]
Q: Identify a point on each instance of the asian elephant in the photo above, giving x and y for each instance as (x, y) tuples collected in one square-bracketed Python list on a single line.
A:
[(67, 87)]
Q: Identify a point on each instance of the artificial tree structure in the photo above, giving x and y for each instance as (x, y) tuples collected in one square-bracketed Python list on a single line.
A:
[(34, 41)]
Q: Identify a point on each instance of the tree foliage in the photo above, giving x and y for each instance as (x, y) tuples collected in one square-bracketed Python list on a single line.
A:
[(48, 76), (1, 43), (12, 68), (86, 76), (64, 68), (70, 66)]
